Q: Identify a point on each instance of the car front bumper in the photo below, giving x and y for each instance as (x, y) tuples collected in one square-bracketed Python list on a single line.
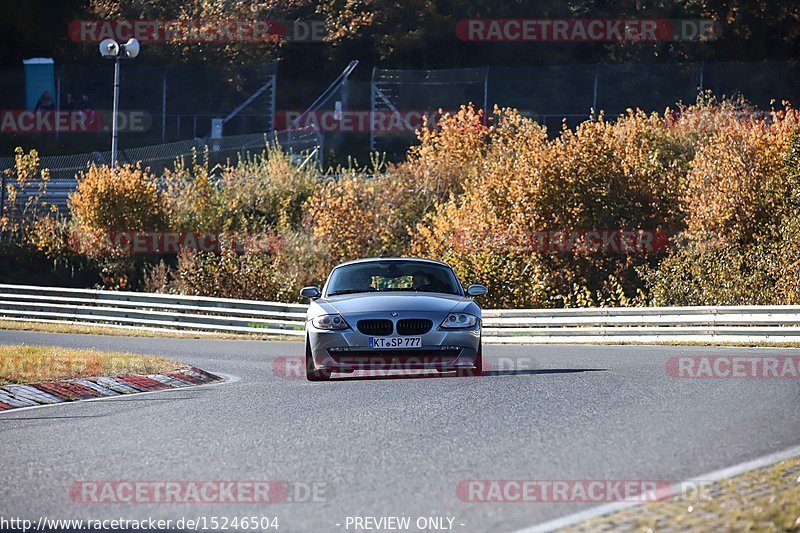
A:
[(347, 350)]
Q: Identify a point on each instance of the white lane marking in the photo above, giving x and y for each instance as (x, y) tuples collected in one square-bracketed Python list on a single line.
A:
[(594, 512), (227, 378)]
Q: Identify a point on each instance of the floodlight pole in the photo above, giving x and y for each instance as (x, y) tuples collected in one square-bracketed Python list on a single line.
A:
[(111, 49), (114, 123)]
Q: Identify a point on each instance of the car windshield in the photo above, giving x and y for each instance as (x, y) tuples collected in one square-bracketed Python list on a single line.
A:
[(391, 276)]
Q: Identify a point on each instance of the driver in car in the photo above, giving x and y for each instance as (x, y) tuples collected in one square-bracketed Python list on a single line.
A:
[(421, 281), (362, 282)]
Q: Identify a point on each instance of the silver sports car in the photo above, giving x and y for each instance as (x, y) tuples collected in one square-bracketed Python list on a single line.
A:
[(392, 314)]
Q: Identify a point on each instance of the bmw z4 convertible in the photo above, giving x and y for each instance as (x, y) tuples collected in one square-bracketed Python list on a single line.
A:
[(392, 314)]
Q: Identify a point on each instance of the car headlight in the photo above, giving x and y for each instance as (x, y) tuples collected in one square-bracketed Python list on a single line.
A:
[(329, 322), (459, 320)]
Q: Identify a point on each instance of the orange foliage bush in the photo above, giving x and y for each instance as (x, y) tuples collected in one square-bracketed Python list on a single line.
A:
[(743, 217), (107, 199), (620, 175), (721, 180), (738, 187), (125, 198), (24, 195), (357, 216), (448, 153), (253, 276), (348, 216)]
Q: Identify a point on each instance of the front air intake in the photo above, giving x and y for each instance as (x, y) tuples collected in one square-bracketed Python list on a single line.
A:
[(414, 326), (377, 327)]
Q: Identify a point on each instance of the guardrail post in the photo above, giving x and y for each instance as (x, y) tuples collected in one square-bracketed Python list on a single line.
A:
[(3, 177)]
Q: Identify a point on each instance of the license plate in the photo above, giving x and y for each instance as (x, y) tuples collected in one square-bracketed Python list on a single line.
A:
[(395, 342)]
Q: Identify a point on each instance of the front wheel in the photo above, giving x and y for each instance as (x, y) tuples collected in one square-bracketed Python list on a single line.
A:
[(312, 374)]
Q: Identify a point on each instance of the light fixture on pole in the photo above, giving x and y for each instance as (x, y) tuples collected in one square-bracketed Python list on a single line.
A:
[(111, 49)]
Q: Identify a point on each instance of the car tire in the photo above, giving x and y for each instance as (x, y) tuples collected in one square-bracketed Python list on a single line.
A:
[(312, 374)]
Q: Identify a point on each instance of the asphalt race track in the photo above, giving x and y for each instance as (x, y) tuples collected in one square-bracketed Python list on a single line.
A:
[(392, 447)]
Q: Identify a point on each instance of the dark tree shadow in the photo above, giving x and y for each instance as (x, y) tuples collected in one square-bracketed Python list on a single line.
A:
[(452, 375), (534, 372)]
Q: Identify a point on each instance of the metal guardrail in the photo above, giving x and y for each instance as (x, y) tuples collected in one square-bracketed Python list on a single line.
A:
[(149, 310), (717, 324), (762, 324)]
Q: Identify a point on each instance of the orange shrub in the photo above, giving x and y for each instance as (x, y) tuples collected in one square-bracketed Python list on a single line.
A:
[(738, 187), (357, 216), (108, 199), (253, 276), (602, 176), (124, 198), (261, 191), (743, 216), (24, 196), (345, 215), (448, 153)]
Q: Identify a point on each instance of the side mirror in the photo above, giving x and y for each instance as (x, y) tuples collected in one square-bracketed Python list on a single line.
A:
[(476, 290), (310, 292)]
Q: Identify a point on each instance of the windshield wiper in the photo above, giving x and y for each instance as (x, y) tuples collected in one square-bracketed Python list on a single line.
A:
[(350, 291)]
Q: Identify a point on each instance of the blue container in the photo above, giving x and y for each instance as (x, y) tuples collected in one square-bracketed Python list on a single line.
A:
[(39, 78)]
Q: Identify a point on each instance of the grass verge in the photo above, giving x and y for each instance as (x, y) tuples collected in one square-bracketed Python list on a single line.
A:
[(765, 499), (30, 364)]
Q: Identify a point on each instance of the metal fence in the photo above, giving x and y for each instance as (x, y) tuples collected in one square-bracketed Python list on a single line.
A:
[(757, 324), (304, 143), (179, 100), (305, 146)]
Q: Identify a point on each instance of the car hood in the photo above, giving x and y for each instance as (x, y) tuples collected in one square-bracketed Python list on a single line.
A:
[(350, 304)]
